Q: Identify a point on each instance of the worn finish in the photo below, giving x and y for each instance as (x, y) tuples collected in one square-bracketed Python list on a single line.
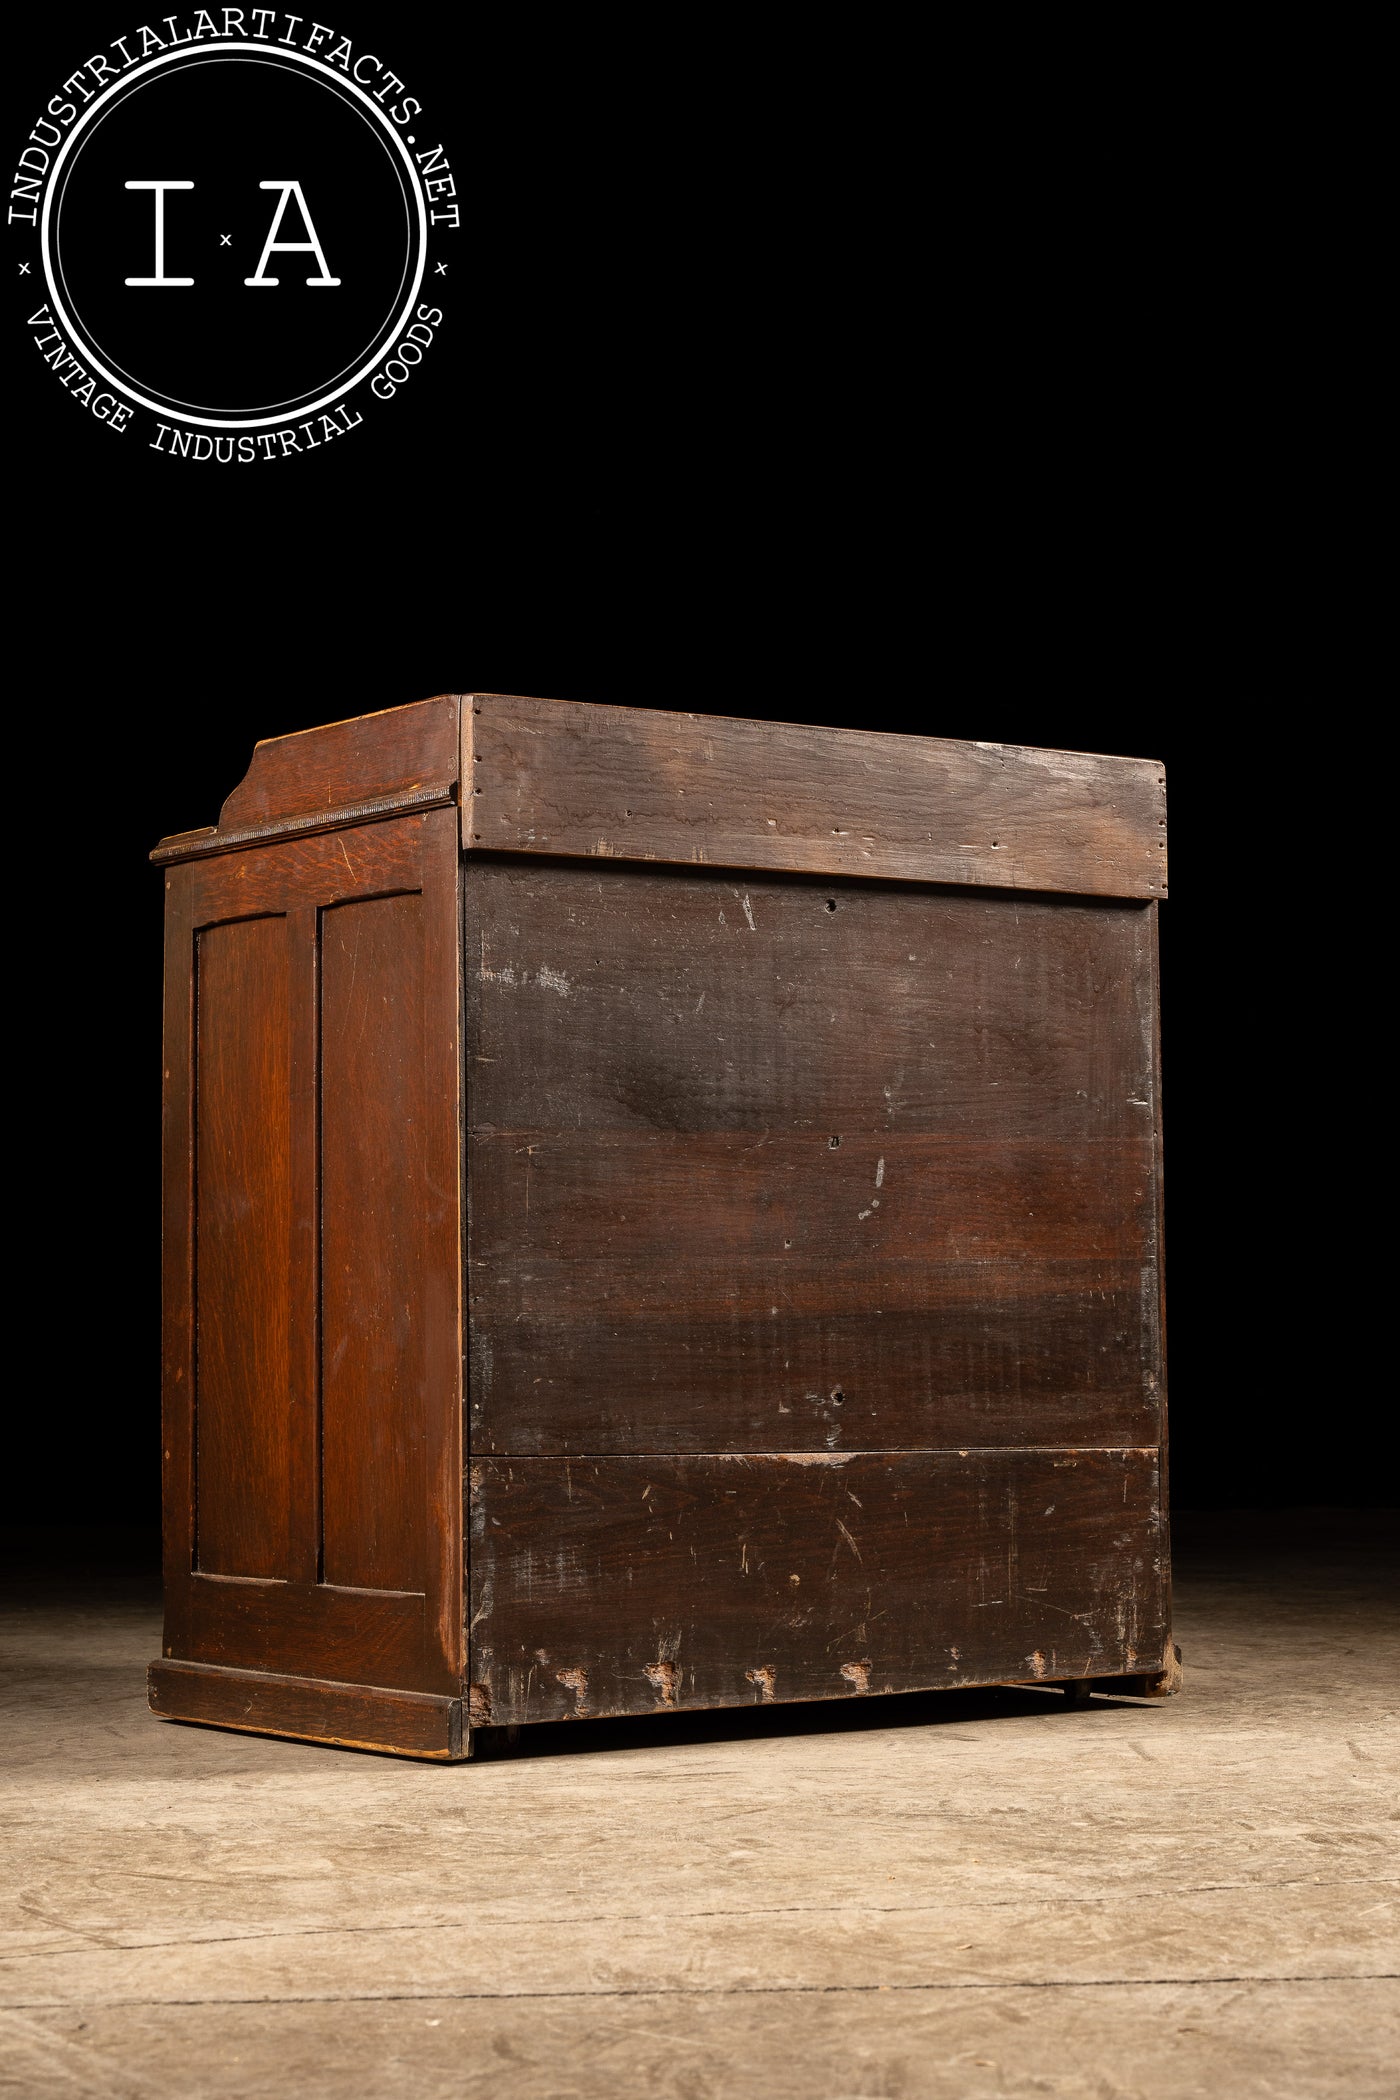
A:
[(353, 1716), (960, 1896), (775, 1167), (812, 1242), (603, 1586), (636, 784)]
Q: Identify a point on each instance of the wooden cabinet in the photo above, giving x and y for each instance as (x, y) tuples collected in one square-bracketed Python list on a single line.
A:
[(661, 1212)]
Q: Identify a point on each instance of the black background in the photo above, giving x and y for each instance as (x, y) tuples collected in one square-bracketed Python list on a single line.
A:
[(773, 383)]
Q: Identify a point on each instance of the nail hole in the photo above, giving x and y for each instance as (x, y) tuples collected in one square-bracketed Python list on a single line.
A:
[(837, 1397), (831, 904), (834, 1144)]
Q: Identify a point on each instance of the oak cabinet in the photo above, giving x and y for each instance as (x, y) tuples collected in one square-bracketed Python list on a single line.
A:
[(660, 1211)]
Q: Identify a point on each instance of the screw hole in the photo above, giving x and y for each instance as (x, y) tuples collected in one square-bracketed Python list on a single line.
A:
[(831, 904)]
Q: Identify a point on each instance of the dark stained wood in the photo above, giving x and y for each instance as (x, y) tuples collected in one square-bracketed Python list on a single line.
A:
[(805, 1089), (356, 1717), (669, 1253), (373, 1636), (843, 1008), (345, 773), (590, 1355), (374, 1173), (243, 1246), (637, 784), (623, 1585), (722, 1196)]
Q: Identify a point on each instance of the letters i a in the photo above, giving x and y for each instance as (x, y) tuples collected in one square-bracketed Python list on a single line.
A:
[(272, 246)]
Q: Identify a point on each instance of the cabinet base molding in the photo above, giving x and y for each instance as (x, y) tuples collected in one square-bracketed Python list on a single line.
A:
[(310, 1709)]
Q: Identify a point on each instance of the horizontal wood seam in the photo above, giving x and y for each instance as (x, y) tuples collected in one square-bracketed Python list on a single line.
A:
[(825, 1458)]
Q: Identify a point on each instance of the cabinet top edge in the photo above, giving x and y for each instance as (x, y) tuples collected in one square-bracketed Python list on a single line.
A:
[(591, 779)]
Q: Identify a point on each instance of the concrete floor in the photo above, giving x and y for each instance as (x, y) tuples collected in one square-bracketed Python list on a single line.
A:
[(958, 1895)]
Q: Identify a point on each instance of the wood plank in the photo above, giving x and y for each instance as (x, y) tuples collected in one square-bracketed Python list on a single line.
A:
[(595, 1356), (721, 1196), (338, 774), (409, 1724), (669, 1252), (243, 1461), (359, 1636), (374, 1178), (606, 782), (627, 1585), (772, 1004)]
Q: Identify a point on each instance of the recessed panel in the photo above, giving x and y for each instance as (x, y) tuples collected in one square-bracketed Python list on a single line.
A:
[(242, 1236), (374, 1200)]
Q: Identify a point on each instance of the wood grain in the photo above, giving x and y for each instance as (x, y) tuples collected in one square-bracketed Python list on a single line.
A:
[(340, 774), (625, 1585), (376, 861), (373, 1178), (243, 1459), (605, 782), (594, 1356), (806, 1088), (316, 1629), (771, 1004), (766, 1166), (353, 1716), (325, 1406)]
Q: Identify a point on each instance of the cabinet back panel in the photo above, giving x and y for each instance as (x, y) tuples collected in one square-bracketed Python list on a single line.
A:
[(619, 1585), (764, 1164)]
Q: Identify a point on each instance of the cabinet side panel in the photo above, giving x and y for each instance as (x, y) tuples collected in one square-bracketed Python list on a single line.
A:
[(374, 1195), (243, 1210), (326, 1087)]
